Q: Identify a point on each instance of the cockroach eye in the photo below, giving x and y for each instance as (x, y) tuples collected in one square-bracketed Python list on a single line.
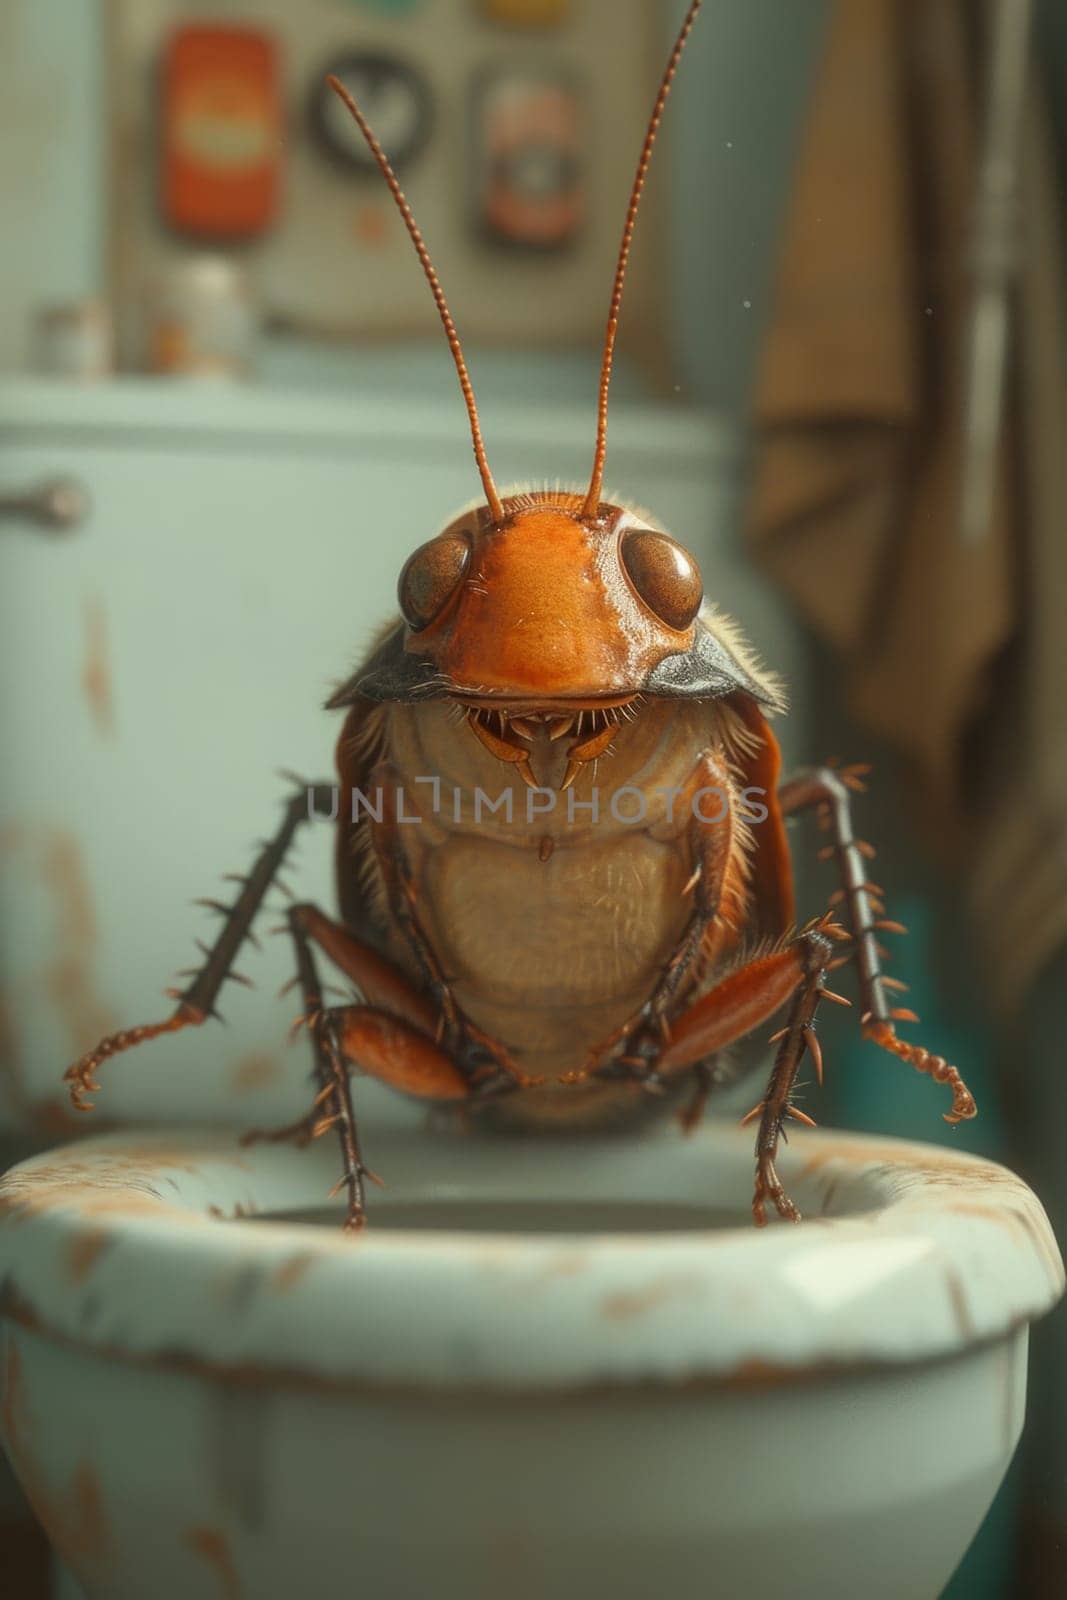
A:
[(430, 578), (665, 576)]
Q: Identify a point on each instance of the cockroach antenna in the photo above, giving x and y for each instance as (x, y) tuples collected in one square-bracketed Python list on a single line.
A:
[(496, 509), (592, 499)]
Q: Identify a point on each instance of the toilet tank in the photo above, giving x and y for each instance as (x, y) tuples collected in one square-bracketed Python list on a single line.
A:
[(166, 657)]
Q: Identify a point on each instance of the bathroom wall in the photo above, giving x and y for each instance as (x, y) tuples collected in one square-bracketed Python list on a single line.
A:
[(731, 152), (52, 171), (725, 162), (728, 158)]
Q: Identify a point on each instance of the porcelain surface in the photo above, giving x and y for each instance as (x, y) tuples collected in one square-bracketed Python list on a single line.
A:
[(536, 1262), (545, 1368)]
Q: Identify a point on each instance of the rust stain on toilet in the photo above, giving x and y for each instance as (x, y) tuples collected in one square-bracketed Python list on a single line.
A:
[(1043, 1244), (239, 1211), (68, 978), (53, 857), (1013, 1394), (12, 838), (859, 1153), (756, 1373), (285, 1277), (904, 1170), (12, 1408), (84, 1251), (957, 1295), (10, 1076), (213, 1547), (84, 1536), (63, 871), (96, 672), (9, 1048), (564, 1264), (626, 1303), (55, 1116), (152, 1159), (88, 1191), (255, 1071), (981, 1208), (1015, 1220), (128, 1171), (74, 1518)]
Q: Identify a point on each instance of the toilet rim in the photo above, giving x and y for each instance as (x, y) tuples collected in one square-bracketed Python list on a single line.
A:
[(137, 1246)]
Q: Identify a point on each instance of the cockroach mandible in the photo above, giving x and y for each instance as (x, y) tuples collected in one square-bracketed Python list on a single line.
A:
[(556, 967)]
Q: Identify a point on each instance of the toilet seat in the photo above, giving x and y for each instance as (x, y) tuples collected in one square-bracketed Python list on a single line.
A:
[(569, 1370), (146, 1245)]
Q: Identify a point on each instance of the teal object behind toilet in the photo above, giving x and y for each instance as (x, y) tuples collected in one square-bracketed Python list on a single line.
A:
[(871, 1093)]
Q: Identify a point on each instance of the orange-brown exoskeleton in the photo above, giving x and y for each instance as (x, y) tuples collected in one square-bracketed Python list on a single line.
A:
[(564, 882)]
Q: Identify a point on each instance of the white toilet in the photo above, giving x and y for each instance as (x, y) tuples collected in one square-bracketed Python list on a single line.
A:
[(545, 1370)]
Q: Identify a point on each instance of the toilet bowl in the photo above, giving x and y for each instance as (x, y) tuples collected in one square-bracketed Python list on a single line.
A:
[(545, 1369)]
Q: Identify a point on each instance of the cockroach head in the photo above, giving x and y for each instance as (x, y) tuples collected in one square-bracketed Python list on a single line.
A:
[(550, 606)]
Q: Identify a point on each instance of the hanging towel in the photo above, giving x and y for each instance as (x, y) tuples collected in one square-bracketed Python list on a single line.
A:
[(949, 650)]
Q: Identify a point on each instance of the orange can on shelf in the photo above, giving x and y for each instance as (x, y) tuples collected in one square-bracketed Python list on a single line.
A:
[(221, 131)]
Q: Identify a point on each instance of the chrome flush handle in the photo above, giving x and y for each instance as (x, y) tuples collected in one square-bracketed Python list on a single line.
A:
[(58, 506)]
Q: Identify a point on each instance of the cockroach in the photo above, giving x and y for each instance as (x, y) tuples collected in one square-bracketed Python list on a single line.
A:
[(531, 953)]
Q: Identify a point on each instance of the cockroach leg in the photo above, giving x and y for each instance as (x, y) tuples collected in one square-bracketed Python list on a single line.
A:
[(711, 847), (197, 1001), (776, 1105), (402, 895), (380, 982), (711, 855), (332, 1105), (692, 1113), (299, 1132), (331, 1064), (391, 1038), (385, 987), (395, 1052), (822, 786), (963, 1102), (739, 1002), (817, 787), (743, 1000)]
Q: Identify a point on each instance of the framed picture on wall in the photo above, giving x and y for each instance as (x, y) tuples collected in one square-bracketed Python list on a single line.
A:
[(516, 147)]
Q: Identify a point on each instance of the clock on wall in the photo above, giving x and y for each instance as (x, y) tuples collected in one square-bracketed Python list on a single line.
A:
[(517, 143), (395, 98)]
